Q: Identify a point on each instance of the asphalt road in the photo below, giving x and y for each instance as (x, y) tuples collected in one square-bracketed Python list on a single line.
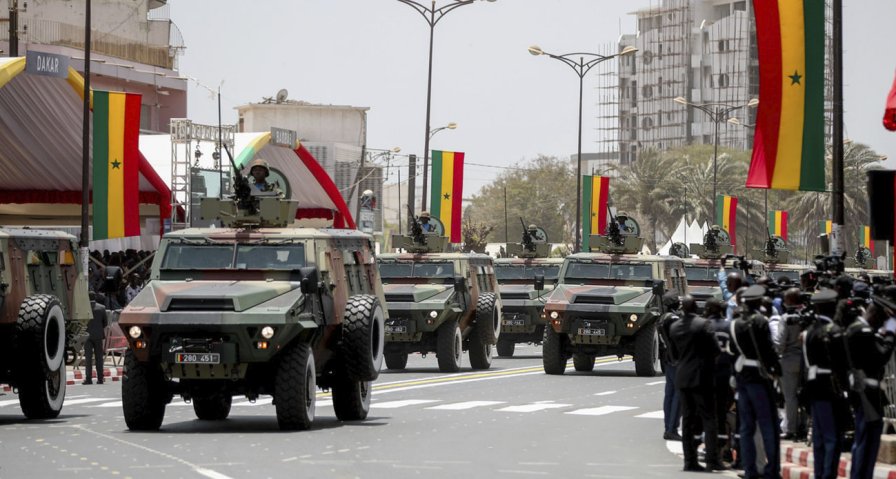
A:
[(510, 421)]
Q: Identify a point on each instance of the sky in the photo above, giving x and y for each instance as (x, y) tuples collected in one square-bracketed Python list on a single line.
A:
[(509, 106)]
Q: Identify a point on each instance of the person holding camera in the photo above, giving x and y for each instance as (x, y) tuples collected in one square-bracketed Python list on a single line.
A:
[(824, 357), (756, 368), (869, 346), (724, 370), (790, 348)]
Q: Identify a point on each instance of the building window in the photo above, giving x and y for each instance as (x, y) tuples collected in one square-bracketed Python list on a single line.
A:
[(724, 45), (647, 123), (740, 6), (647, 91), (659, 85), (723, 80), (659, 118), (146, 117)]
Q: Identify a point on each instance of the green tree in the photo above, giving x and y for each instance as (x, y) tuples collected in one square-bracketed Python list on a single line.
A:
[(475, 234)]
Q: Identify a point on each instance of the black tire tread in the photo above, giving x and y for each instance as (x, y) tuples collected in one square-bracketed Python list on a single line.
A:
[(32, 372), (445, 345), (347, 401), (644, 350), (485, 314), (583, 362), (396, 361), (289, 389), (552, 356), (214, 407), (356, 347), (506, 347), (143, 394)]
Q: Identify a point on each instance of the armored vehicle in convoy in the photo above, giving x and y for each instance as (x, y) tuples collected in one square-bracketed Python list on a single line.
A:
[(255, 308), (607, 302), (776, 258), (526, 278), (44, 311), (439, 302)]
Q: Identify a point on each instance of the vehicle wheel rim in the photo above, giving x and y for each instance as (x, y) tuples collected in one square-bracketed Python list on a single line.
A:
[(54, 338), (310, 392), (458, 346), (656, 351)]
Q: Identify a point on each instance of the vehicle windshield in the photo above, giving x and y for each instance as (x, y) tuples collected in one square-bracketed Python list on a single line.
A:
[(793, 275), (442, 269), (705, 273), (527, 272), (620, 271), (228, 256)]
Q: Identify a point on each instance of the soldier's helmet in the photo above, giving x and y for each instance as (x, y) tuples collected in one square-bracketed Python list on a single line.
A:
[(716, 228), (424, 214), (259, 163), (533, 228)]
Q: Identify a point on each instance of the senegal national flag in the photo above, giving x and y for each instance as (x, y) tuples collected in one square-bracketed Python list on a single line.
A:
[(825, 227), (116, 160), (726, 215), (788, 149), (865, 238), (447, 190), (595, 191), (777, 223)]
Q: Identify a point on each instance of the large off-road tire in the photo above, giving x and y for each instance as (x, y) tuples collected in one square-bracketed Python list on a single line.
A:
[(552, 355), (40, 352), (647, 351), (295, 389), (143, 394), (506, 347), (396, 361), (583, 362), (213, 407), (480, 352), (488, 317), (449, 347), (363, 335), (351, 399)]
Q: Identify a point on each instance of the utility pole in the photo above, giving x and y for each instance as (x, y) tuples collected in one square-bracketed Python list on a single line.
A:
[(838, 239), (412, 189), (85, 145), (14, 28)]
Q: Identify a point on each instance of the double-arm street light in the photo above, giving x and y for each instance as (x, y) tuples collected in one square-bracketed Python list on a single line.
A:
[(581, 67), (449, 126), (717, 112), (432, 15)]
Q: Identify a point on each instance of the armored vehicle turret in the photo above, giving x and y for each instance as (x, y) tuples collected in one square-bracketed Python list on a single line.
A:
[(526, 281), (608, 301), (44, 311), (255, 308), (439, 302)]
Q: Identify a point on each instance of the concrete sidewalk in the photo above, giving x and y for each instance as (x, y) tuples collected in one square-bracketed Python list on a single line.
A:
[(797, 462)]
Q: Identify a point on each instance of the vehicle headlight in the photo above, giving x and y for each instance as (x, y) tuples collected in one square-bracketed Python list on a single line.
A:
[(433, 314), (555, 315), (267, 332), (633, 318), (135, 332)]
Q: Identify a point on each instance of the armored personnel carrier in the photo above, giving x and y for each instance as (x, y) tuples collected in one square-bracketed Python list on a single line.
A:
[(255, 308), (439, 302), (607, 302), (777, 260), (44, 311), (526, 279)]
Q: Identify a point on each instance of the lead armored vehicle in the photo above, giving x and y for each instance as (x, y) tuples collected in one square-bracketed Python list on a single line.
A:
[(44, 311), (439, 302), (526, 279), (255, 308), (607, 302)]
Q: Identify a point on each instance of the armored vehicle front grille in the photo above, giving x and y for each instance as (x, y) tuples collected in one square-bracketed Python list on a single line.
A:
[(400, 298), (594, 300), (514, 295), (201, 304)]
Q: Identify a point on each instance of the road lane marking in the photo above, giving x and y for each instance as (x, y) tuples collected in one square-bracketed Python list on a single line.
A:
[(654, 383), (403, 403), (653, 415), (108, 404), (533, 407), (606, 393), (9, 402), (86, 400), (601, 411), (528, 473), (465, 405)]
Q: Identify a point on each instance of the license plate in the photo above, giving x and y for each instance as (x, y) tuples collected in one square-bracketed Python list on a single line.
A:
[(514, 322), (396, 329), (592, 332), (198, 358)]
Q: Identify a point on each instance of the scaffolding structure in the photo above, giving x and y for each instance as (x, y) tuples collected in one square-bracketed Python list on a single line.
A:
[(185, 164)]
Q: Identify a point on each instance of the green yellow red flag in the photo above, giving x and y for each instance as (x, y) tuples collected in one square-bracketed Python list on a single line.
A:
[(788, 148), (447, 191), (116, 163), (865, 238), (726, 215), (595, 193), (777, 223)]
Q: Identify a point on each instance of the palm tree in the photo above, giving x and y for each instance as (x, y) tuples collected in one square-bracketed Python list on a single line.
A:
[(646, 187)]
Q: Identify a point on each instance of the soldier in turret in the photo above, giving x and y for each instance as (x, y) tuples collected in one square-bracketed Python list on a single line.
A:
[(425, 225), (259, 171)]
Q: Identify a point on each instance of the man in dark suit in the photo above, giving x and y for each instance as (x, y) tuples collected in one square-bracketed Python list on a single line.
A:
[(96, 336), (695, 347)]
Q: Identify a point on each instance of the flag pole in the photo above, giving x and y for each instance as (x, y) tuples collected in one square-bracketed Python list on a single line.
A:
[(85, 147), (838, 243)]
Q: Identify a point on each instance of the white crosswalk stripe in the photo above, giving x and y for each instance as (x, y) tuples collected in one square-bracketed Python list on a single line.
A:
[(406, 402), (107, 404), (85, 401), (533, 407), (465, 405), (601, 411), (652, 415)]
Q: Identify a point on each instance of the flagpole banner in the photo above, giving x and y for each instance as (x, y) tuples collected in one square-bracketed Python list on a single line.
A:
[(788, 147), (595, 194), (116, 163), (865, 238), (446, 191), (726, 215), (777, 223), (587, 193)]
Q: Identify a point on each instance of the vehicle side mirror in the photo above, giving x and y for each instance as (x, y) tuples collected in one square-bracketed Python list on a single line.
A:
[(658, 286), (460, 285), (310, 280), (539, 282)]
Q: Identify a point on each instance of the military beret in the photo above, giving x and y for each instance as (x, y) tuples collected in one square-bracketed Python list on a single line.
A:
[(753, 293), (824, 296)]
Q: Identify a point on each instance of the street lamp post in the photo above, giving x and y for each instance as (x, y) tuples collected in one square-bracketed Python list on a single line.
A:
[(581, 67), (717, 112), (432, 15)]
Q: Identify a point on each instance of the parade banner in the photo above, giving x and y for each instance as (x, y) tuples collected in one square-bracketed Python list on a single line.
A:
[(726, 215), (788, 149), (595, 194), (116, 163), (446, 190), (777, 223)]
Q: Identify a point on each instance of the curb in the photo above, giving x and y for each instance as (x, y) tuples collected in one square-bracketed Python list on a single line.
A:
[(797, 463)]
